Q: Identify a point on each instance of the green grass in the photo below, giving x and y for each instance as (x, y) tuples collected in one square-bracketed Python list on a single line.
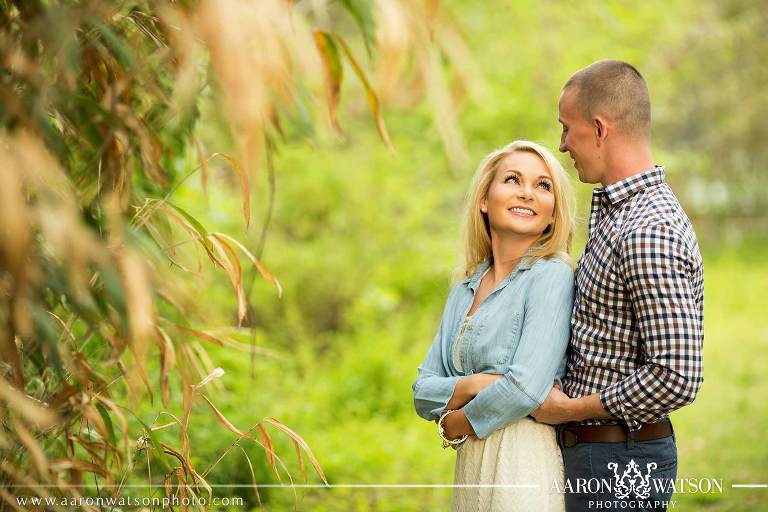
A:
[(721, 434), (353, 406)]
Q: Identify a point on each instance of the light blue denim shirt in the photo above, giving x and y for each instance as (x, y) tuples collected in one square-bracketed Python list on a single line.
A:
[(520, 330)]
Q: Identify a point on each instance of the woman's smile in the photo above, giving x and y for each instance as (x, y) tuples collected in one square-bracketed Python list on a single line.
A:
[(522, 212)]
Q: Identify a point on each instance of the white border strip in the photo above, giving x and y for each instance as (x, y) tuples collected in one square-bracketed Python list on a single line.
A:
[(307, 486), (336, 486)]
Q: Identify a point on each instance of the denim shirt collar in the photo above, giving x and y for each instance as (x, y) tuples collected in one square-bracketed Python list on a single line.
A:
[(473, 281)]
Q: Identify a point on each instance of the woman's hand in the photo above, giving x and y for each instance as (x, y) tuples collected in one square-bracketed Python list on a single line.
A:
[(468, 387), (456, 425)]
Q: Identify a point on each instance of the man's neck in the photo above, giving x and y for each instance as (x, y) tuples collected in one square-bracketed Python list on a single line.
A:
[(627, 161)]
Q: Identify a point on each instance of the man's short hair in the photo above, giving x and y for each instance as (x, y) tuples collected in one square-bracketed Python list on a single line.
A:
[(617, 90)]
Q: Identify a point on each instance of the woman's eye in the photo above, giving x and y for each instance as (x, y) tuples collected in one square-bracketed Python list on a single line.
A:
[(545, 185), (512, 178)]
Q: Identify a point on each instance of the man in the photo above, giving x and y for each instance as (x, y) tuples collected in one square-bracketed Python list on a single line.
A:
[(637, 333)]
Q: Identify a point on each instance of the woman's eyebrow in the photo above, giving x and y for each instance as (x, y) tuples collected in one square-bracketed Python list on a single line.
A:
[(543, 176)]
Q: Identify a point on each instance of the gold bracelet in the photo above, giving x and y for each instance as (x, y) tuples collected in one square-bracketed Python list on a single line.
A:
[(441, 431)]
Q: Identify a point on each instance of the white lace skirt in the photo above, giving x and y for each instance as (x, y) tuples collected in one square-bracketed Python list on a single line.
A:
[(523, 454)]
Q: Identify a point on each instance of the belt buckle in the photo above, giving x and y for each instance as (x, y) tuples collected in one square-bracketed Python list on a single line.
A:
[(567, 438)]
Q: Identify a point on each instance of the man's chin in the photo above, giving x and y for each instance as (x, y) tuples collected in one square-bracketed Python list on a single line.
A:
[(585, 178)]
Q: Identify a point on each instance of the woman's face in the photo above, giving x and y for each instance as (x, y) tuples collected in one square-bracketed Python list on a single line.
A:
[(521, 199)]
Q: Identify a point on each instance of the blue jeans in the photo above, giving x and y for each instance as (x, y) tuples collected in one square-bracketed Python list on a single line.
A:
[(600, 476)]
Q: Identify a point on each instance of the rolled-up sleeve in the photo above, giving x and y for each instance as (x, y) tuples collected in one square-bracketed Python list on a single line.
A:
[(538, 357), (434, 387), (656, 266)]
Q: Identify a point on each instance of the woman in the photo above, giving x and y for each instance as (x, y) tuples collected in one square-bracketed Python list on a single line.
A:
[(503, 335)]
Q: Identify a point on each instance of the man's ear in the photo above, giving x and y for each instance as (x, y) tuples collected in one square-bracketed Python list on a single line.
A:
[(601, 129)]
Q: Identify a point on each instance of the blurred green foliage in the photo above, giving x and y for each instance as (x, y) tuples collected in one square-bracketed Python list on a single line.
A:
[(364, 245)]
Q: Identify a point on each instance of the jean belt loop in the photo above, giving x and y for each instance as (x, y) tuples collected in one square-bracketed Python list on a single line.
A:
[(630, 438), (672, 427)]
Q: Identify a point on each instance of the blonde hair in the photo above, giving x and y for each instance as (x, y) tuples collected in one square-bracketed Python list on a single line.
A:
[(554, 242)]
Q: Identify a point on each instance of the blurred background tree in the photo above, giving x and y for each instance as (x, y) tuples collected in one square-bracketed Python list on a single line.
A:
[(102, 328), (716, 113)]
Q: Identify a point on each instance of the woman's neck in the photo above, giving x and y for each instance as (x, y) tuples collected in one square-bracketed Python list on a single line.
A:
[(507, 253)]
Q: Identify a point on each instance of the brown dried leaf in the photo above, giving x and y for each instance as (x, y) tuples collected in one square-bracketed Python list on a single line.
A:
[(234, 272), (94, 418), (223, 421), (182, 484), (262, 270), (269, 448), (244, 187), (140, 306), (253, 475), (39, 460), (167, 361), (237, 441), (227, 336), (203, 166), (194, 231), (23, 479), (79, 465), (187, 464), (162, 426), (297, 439), (188, 392), (209, 367), (333, 72), (184, 460), (446, 117), (373, 100), (215, 374), (168, 486), (202, 334), (94, 448), (188, 355), (30, 409), (11, 500)]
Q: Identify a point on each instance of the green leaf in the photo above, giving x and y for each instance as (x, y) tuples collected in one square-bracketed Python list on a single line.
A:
[(121, 50), (196, 225), (108, 422), (363, 14), (158, 449)]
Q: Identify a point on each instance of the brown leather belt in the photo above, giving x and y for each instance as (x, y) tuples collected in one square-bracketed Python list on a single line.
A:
[(571, 435)]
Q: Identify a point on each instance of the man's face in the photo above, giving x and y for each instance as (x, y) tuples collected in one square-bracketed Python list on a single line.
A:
[(579, 139)]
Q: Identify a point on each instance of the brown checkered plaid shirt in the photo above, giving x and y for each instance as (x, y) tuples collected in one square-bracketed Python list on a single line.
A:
[(637, 326)]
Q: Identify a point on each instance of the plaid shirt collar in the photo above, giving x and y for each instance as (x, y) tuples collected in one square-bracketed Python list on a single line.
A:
[(617, 192)]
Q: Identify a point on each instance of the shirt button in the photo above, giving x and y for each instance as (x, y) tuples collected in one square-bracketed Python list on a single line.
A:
[(469, 327)]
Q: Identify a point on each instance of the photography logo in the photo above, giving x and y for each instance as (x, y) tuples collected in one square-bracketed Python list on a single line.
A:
[(632, 480)]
